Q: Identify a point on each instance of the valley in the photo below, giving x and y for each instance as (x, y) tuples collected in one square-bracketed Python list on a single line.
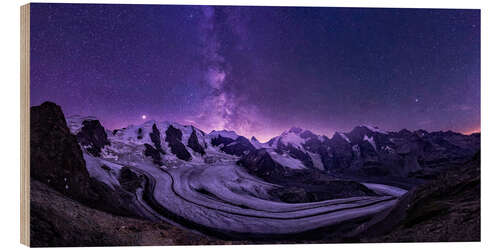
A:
[(298, 185)]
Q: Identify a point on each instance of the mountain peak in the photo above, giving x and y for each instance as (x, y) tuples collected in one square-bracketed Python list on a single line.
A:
[(307, 134), (224, 133), (338, 136), (295, 130), (374, 129)]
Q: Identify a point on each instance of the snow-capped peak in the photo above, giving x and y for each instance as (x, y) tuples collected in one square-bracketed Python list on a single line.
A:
[(257, 144), (375, 129), (292, 138), (74, 122), (295, 130), (224, 133)]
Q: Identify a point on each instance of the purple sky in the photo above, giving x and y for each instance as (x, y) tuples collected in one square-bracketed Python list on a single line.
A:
[(259, 70)]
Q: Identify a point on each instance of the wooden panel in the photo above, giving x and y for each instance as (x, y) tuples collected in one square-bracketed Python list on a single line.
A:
[(25, 124)]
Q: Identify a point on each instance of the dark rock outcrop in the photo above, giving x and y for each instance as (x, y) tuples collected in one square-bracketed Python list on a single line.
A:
[(299, 186), (194, 144), (254, 140), (173, 134), (129, 180), (261, 164), (370, 152), (336, 189), (57, 160), (174, 139), (93, 137), (296, 153), (339, 155), (155, 138), (241, 146), (221, 140), (156, 151), (153, 153), (140, 134), (55, 156)]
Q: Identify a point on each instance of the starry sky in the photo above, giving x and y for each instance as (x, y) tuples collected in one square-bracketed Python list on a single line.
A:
[(259, 70)]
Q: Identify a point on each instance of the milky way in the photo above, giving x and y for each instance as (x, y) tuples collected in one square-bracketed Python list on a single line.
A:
[(259, 70)]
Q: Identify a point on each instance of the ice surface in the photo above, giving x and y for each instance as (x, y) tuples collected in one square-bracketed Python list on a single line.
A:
[(385, 189), (286, 161), (293, 139), (316, 159), (223, 195), (94, 166)]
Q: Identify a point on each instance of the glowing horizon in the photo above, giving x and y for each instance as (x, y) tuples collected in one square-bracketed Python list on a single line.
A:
[(260, 70)]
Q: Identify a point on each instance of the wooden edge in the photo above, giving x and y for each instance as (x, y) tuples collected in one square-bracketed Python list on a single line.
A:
[(25, 124)]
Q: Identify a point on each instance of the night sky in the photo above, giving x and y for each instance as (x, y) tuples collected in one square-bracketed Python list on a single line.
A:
[(259, 70)]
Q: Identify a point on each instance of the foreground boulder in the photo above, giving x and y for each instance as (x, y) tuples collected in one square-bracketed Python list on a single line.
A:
[(93, 137), (55, 156)]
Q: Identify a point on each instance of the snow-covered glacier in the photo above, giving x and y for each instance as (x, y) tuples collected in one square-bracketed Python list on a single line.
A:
[(211, 192)]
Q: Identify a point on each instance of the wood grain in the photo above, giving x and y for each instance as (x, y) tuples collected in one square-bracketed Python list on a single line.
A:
[(25, 124)]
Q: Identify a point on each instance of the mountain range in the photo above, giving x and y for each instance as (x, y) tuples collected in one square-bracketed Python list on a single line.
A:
[(224, 185), (365, 151)]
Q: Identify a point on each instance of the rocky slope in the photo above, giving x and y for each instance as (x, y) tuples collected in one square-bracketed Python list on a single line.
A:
[(293, 185), (299, 186), (55, 156), (57, 221), (447, 209), (71, 207), (92, 137), (369, 151), (58, 161)]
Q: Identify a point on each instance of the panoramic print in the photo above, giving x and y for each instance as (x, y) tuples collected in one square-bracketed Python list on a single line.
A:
[(203, 125)]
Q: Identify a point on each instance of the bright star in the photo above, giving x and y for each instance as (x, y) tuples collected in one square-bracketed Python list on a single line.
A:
[(143, 117)]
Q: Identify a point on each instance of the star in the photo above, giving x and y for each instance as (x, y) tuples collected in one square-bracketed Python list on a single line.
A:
[(233, 68)]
